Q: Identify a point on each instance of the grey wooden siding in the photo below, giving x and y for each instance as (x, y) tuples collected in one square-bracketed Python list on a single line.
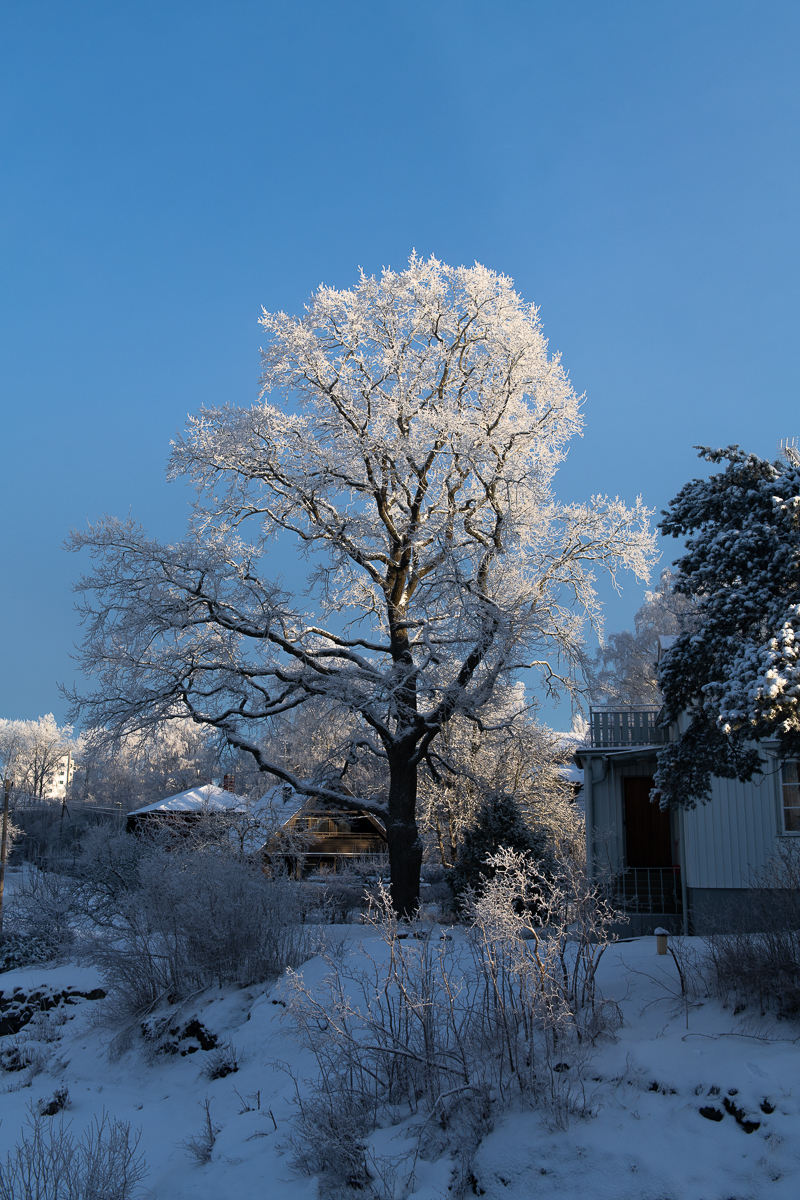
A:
[(730, 839), (727, 842)]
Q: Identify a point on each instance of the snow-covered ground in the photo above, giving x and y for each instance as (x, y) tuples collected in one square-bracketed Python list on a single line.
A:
[(646, 1137)]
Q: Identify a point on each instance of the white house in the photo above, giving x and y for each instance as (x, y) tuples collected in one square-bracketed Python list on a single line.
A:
[(687, 869)]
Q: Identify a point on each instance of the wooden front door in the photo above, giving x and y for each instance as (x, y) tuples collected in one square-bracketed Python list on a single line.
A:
[(648, 842)]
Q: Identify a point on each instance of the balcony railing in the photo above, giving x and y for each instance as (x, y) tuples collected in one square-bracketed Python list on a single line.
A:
[(626, 727), (649, 890)]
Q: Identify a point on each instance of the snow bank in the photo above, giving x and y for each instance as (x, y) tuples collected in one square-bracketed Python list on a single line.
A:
[(645, 1140)]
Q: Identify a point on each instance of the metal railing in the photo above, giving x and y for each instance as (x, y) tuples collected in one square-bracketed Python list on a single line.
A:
[(626, 727), (649, 890)]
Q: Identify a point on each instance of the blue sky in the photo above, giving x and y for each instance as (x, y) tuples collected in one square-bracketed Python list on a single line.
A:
[(169, 167)]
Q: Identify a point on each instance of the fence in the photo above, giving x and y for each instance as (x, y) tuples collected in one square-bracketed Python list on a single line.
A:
[(626, 727), (649, 890)]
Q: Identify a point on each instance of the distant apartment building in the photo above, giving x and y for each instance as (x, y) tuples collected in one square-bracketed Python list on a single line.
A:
[(61, 778)]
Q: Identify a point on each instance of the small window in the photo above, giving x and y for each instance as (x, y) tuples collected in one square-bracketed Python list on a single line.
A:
[(791, 797)]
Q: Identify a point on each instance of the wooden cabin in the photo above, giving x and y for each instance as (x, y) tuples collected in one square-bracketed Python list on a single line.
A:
[(319, 837), (309, 835)]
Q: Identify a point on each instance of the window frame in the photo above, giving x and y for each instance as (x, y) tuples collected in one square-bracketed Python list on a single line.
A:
[(784, 784)]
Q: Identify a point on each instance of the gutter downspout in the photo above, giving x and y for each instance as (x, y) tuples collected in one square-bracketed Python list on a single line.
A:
[(588, 780), (589, 817)]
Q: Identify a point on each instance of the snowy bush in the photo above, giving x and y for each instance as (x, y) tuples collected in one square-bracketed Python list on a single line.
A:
[(50, 1105), (51, 1164), (22, 1054), (196, 920), (41, 911), (107, 871), (200, 1146), (342, 899), (452, 1027), (509, 755), (21, 950), (222, 1061), (350, 891), (332, 1141), (756, 958)]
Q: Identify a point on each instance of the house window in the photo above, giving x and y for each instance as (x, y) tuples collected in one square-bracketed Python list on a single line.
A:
[(791, 797)]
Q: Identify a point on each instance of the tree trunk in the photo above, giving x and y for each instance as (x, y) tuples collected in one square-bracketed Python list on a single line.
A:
[(405, 847)]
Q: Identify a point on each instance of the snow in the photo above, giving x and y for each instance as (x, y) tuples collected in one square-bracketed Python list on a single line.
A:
[(197, 799), (50, 978), (652, 1142), (284, 801), (570, 741), (644, 1140)]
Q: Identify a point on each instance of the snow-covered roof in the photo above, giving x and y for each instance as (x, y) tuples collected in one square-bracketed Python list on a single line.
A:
[(284, 802), (281, 800), (206, 797)]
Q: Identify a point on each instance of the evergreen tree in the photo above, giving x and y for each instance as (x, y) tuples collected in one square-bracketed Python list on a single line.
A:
[(499, 824), (737, 673)]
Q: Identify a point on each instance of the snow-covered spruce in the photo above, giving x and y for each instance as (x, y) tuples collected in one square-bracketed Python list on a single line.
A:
[(737, 671)]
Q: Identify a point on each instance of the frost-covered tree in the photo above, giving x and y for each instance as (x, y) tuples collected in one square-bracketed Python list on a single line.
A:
[(736, 673), (319, 741), (508, 754), (146, 766), (31, 753), (624, 668), (407, 438)]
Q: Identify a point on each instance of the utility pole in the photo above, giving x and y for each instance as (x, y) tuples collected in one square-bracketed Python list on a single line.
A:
[(7, 786), (67, 777)]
